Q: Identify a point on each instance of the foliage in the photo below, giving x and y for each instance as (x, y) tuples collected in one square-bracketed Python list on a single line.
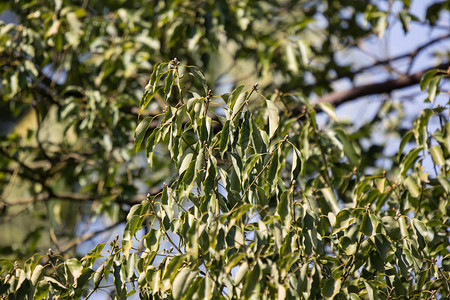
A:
[(253, 211), (251, 195)]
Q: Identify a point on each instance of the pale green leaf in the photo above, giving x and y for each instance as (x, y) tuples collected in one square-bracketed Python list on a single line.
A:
[(349, 148), (224, 138), (241, 272), (372, 291), (433, 88), (445, 182), (437, 155), (404, 141), (75, 267), (292, 63), (328, 109), (412, 187), (366, 226), (197, 73), (140, 132), (181, 283), (331, 200), (238, 105), (331, 288), (304, 51), (427, 78), (186, 163), (234, 95), (405, 19), (409, 160), (274, 117), (36, 276)]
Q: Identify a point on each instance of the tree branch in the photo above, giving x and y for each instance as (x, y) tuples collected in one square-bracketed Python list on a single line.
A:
[(337, 98), (410, 54), (89, 236)]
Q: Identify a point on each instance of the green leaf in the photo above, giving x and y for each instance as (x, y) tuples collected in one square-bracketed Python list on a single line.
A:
[(409, 159), (190, 174), (237, 107), (31, 263), (75, 267), (140, 132), (245, 132), (445, 182), (427, 78), (241, 272), (168, 84), (423, 230), (372, 291), (135, 218), (42, 290), (348, 245), (366, 226), (383, 245), (433, 87), (292, 63), (234, 95), (98, 275), (224, 138), (130, 293), (119, 281), (153, 79), (234, 260), (185, 164), (328, 109), (151, 145), (331, 200), (412, 187), (296, 163), (405, 19), (37, 274), (237, 166), (146, 98), (343, 220), (181, 283), (274, 117), (404, 141), (381, 25), (353, 296), (331, 288), (437, 155), (349, 148), (85, 276), (174, 97), (197, 73), (91, 257), (392, 227), (312, 205), (284, 207), (251, 282), (211, 174), (304, 51), (273, 167)]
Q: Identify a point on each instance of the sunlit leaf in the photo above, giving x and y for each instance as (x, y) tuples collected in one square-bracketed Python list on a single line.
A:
[(409, 160), (426, 79), (274, 117)]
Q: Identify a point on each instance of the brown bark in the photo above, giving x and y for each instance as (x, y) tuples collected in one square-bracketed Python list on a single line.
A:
[(339, 97)]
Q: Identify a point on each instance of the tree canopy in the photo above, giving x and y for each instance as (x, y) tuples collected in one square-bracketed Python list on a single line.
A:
[(208, 130)]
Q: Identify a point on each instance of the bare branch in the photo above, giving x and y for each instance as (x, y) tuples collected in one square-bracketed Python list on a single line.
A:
[(388, 86), (88, 237), (411, 54)]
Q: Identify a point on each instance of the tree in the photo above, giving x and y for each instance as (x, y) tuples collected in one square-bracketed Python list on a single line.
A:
[(249, 195)]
